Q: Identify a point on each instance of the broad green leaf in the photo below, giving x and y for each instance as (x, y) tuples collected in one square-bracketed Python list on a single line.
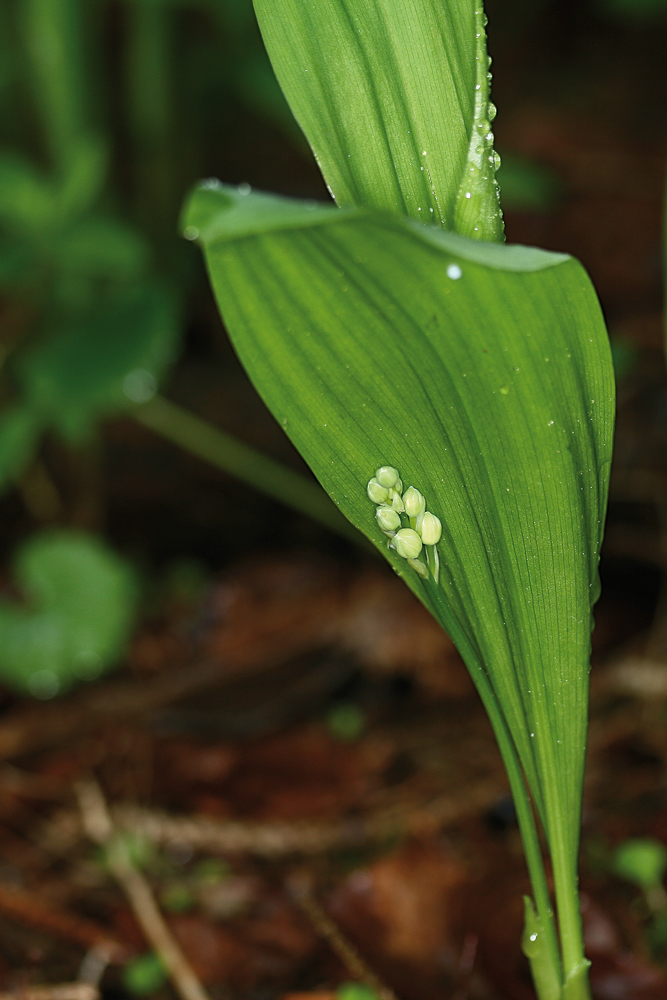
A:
[(112, 358), (393, 96), (79, 601), (483, 374)]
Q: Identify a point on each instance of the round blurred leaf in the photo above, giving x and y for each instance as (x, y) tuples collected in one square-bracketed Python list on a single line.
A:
[(79, 605), (144, 974), (641, 860)]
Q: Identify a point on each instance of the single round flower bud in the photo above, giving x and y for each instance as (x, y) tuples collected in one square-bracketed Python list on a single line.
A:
[(419, 567), (387, 518), (377, 492), (414, 502), (387, 476), (407, 543), (430, 528), (396, 501)]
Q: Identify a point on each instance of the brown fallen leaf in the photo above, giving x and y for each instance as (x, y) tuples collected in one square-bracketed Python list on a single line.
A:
[(398, 912)]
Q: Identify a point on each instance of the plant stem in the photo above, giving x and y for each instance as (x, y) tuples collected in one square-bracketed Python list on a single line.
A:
[(551, 967), (52, 31), (148, 69), (575, 963), (240, 460), (534, 862)]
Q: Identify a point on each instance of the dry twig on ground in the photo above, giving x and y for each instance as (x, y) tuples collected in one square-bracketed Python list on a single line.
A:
[(356, 966), (99, 828), (60, 991)]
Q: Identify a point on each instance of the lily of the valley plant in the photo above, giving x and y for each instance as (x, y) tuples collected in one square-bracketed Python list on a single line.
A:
[(454, 395)]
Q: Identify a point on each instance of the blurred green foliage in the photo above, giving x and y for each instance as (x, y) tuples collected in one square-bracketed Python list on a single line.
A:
[(526, 186), (634, 10), (355, 991), (109, 110), (77, 609), (144, 974), (106, 109), (346, 721), (642, 860)]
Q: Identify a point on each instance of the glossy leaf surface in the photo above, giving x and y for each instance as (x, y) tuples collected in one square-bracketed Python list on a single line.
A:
[(483, 374), (393, 96)]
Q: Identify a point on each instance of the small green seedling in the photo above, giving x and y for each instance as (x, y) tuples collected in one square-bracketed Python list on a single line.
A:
[(346, 721), (144, 975), (356, 991), (643, 861)]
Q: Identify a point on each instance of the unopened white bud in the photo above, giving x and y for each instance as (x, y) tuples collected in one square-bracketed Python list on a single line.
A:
[(396, 501), (414, 502), (419, 567), (387, 518), (377, 492), (407, 543), (387, 476), (430, 528)]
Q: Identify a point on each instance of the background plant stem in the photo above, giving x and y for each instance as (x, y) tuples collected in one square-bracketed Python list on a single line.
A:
[(149, 99), (237, 459), (52, 31)]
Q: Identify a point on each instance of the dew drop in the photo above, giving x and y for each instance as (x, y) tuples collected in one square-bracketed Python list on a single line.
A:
[(139, 385), (454, 272), (244, 189)]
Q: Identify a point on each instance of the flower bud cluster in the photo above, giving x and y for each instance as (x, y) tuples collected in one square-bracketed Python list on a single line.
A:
[(403, 517)]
